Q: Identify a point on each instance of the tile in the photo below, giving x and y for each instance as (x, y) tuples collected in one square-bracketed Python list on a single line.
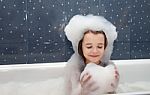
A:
[(121, 51), (140, 50), (13, 53)]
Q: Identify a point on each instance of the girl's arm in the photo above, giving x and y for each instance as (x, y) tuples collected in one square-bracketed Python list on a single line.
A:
[(72, 84)]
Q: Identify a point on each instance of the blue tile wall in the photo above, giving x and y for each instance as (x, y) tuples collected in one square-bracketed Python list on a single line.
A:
[(31, 31)]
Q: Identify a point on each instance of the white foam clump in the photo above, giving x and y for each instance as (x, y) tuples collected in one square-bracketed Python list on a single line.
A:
[(52, 86), (103, 76)]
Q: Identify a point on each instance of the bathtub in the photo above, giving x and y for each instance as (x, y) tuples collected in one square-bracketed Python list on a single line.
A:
[(46, 79)]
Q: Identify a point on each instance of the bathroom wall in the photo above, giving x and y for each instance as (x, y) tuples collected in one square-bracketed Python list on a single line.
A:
[(31, 31)]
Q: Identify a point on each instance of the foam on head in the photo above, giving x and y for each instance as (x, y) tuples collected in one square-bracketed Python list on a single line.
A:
[(79, 24)]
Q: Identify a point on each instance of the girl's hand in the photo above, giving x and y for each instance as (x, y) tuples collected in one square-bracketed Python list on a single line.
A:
[(116, 74), (114, 84), (88, 84), (85, 79)]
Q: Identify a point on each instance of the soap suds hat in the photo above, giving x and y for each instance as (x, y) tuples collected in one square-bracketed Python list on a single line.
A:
[(79, 24)]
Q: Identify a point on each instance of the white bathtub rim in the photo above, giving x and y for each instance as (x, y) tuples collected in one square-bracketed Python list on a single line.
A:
[(131, 61), (62, 64), (31, 66)]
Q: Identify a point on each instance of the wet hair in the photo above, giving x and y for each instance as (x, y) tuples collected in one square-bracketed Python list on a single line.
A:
[(80, 51)]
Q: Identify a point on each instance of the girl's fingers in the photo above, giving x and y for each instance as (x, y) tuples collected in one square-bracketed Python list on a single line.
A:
[(116, 73), (94, 87), (117, 77), (85, 78), (89, 84)]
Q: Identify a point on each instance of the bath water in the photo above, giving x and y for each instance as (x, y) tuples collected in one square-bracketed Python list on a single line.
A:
[(55, 86), (139, 86)]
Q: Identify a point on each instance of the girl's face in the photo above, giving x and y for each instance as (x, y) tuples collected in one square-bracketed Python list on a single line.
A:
[(93, 47)]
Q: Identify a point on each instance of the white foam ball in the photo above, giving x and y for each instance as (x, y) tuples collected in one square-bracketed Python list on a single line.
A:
[(103, 76)]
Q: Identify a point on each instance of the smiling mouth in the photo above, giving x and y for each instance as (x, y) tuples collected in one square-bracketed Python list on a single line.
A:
[(94, 55)]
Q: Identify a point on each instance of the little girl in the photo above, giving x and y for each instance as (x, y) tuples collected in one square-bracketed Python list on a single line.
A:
[(92, 39)]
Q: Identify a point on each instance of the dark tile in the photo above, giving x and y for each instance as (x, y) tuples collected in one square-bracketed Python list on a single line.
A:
[(121, 51), (13, 53), (140, 50), (12, 21)]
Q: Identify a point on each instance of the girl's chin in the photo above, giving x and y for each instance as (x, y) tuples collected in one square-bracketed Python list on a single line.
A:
[(96, 62)]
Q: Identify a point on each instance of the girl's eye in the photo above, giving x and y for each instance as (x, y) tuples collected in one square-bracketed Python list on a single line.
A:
[(89, 47), (100, 47)]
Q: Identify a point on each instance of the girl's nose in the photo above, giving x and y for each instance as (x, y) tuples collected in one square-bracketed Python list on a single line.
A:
[(94, 50)]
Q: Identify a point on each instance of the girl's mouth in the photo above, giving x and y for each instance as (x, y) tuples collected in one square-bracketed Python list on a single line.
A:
[(94, 55)]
